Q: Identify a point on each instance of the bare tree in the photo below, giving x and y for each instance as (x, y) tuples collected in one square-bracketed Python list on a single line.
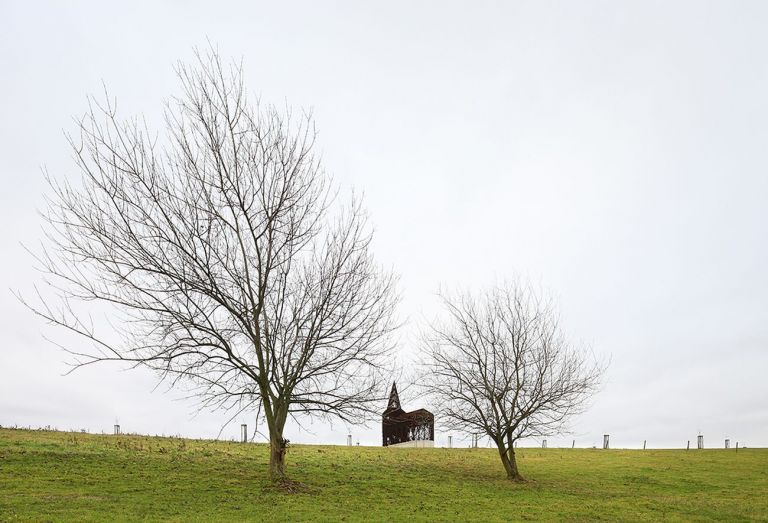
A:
[(224, 257), (499, 365)]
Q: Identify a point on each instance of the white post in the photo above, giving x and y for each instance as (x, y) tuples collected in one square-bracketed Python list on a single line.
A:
[(349, 440), (606, 438), (544, 444), (450, 442), (700, 442), (244, 433)]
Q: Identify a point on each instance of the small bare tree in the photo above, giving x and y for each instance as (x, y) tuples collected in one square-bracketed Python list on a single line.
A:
[(498, 365), (221, 258)]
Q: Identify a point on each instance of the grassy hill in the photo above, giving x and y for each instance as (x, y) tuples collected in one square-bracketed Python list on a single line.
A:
[(70, 476)]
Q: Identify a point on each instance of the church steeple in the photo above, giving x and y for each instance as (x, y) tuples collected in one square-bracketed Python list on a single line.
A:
[(413, 429), (394, 399)]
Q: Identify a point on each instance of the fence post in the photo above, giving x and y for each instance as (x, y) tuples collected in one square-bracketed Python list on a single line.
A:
[(244, 433), (349, 440), (727, 443), (450, 442), (700, 442), (573, 445), (643, 444), (544, 444), (606, 438), (688, 447)]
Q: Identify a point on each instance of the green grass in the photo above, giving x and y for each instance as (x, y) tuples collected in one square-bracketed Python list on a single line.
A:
[(69, 476)]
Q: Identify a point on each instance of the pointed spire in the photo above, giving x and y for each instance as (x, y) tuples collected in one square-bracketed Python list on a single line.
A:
[(394, 399)]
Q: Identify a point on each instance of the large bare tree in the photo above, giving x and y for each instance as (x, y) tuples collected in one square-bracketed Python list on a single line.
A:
[(224, 256), (498, 365)]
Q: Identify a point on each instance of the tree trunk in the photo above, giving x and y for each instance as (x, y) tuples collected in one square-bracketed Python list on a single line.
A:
[(275, 416), (510, 463), (277, 444), (277, 456)]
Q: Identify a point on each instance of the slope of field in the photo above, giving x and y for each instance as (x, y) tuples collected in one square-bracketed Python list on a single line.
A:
[(70, 476)]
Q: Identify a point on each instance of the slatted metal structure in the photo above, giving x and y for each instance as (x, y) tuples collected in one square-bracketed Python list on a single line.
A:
[(398, 426)]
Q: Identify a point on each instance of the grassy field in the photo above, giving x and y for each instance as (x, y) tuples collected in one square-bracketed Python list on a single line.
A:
[(70, 476)]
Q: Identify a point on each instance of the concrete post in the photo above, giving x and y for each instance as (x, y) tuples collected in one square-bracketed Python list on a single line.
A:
[(244, 433), (349, 440), (700, 442), (573, 445), (544, 444), (606, 437), (117, 430), (450, 442), (727, 443), (643, 444), (688, 446)]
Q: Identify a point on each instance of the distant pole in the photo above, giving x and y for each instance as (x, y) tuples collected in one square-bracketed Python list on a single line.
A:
[(727, 443), (700, 442), (737, 446), (606, 437), (349, 440), (643, 444), (544, 444), (573, 445), (244, 433), (450, 442), (117, 430), (688, 447)]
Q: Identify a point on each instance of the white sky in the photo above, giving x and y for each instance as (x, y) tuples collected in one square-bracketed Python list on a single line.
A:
[(613, 152)]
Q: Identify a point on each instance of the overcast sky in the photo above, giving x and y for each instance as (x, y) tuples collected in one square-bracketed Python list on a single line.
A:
[(614, 152)]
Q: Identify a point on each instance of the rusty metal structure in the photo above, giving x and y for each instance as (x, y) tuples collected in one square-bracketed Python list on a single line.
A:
[(398, 426)]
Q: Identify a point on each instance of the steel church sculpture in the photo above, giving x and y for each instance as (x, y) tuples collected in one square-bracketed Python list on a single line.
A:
[(398, 427)]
